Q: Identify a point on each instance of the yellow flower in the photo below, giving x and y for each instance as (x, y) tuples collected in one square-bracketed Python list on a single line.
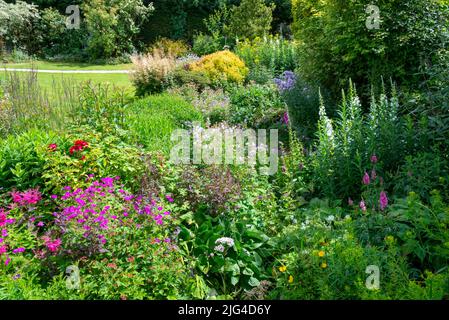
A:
[(282, 268), (324, 265), (290, 279), (321, 253), (389, 239)]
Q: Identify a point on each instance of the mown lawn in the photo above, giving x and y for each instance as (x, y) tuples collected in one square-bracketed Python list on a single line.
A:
[(47, 80), (48, 65)]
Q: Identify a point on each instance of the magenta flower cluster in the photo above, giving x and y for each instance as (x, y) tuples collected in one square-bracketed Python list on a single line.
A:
[(86, 217), (367, 180), (5, 251), (103, 206), (29, 197)]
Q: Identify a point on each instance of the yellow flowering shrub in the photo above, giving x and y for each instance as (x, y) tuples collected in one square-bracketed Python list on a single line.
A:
[(221, 66)]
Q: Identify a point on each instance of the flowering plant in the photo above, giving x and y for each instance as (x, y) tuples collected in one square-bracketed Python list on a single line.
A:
[(286, 81), (78, 147), (70, 163), (90, 216), (17, 225), (373, 196)]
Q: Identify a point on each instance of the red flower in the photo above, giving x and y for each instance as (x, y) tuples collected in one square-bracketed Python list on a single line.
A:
[(74, 149), (52, 147), (81, 143)]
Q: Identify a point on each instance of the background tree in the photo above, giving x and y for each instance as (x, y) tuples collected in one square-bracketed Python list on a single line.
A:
[(252, 18), (337, 45), (113, 26), (16, 25)]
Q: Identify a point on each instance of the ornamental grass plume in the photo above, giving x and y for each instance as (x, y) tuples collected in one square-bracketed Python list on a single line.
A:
[(150, 71)]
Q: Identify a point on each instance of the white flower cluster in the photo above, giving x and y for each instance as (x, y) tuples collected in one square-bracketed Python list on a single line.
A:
[(225, 240)]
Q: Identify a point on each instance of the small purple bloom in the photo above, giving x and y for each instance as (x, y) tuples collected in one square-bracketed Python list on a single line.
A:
[(366, 180), (383, 200), (362, 205), (285, 118), (286, 82)]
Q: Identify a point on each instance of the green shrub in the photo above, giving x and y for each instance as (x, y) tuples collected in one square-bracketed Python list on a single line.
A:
[(100, 106), (22, 158), (321, 257), (272, 53), (337, 45), (422, 173), (180, 77), (27, 161), (252, 18), (252, 105), (205, 44), (17, 22), (113, 27), (303, 101), (151, 120), (106, 155), (419, 231), (260, 75)]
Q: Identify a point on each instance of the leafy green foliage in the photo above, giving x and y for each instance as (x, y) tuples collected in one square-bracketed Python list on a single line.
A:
[(337, 45), (252, 18), (152, 120), (113, 26), (273, 53), (252, 104), (344, 149), (15, 19)]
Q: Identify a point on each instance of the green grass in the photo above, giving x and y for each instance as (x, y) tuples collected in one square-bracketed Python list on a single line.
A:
[(154, 118), (47, 80), (48, 65)]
